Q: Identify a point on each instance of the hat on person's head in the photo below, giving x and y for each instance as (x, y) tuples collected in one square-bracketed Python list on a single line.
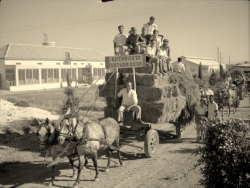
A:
[(120, 26), (165, 40), (152, 18)]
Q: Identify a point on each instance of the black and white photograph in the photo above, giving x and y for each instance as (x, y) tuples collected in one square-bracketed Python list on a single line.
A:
[(124, 93)]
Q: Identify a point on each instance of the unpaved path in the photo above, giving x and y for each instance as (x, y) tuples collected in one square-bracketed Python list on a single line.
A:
[(173, 166)]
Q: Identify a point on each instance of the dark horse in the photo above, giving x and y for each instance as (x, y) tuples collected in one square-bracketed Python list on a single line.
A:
[(91, 137), (47, 135)]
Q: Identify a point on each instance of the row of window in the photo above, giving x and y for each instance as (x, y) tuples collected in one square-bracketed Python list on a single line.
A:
[(31, 76), (98, 71)]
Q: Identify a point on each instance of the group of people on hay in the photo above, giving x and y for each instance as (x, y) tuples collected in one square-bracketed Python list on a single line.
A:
[(149, 42), (157, 52)]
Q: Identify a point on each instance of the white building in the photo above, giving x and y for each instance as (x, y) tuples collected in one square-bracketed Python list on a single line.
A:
[(208, 64), (33, 67)]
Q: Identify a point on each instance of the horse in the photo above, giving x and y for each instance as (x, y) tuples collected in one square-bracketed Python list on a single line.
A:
[(229, 98), (47, 135), (91, 136)]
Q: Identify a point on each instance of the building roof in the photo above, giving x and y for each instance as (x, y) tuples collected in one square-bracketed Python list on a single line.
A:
[(242, 65), (203, 60), (40, 52)]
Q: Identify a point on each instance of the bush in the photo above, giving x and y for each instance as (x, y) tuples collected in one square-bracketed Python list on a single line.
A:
[(225, 156), (214, 78)]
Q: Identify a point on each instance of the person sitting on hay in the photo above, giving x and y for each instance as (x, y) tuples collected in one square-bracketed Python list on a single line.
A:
[(134, 42), (200, 118), (152, 57), (129, 102)]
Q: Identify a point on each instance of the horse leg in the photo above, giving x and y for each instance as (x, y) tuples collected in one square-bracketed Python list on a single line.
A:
[(109, 157), (118, 151), (71, 161), (94, 159), (228, 109), (86, 162), (53, 173), (79, 172)]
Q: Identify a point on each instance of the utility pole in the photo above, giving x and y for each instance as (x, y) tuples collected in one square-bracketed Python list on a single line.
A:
[(218, 51), (220, 57)]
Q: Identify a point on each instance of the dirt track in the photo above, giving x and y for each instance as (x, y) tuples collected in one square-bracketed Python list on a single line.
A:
[(171, 168)]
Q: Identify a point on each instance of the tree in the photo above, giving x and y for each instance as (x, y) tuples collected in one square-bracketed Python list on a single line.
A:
[(214, 78), (200, 72), (222, 72)]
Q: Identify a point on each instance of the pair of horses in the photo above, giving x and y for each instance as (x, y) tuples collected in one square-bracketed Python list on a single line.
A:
[(229, 99), (81, 140)]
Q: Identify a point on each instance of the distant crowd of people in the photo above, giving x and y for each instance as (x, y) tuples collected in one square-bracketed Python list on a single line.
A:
[(149, 42)]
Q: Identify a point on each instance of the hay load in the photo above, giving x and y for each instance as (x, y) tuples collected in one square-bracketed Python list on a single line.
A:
[(168, 98)]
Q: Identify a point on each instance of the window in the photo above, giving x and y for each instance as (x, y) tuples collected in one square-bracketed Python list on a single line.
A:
[(103, 72), (99, 71), (28, 79), (35, 76), (44, 76), (73, 74), (56, 75), (95, 71), (21, 76), (63, 75), (50, 75)]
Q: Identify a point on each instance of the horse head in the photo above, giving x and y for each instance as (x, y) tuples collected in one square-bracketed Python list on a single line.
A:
[(224, 93), (66, 129), (46, 133)]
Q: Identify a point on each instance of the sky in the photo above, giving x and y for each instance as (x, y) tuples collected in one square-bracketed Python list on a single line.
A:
[(193, 27)]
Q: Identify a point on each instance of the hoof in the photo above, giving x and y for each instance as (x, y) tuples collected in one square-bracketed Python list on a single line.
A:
[(97, 180), (122, 163), (75, 185), (107, 170), (50, 184), (84, 167), (74, 176)]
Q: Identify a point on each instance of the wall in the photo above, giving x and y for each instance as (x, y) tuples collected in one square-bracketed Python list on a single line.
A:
[(2, 72)]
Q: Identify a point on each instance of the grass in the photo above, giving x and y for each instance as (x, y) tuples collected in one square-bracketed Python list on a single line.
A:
[(51, 100)]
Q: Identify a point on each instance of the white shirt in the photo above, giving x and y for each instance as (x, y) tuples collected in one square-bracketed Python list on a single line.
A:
[(150, 28), (128, 98), (162, 53), (179, 67), (120, 40), (201, 110), (150, 51), (211, 108)]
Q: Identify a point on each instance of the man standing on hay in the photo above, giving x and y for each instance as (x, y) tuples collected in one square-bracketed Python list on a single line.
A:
[(120, 42), (179, 66), (129, 102)]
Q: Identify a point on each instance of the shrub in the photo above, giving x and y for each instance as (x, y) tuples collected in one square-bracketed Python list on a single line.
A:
[(214, 78), (225, 156)]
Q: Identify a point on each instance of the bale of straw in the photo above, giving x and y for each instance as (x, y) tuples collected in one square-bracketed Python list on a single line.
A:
[(145, 79), (112, 79), (109, 90), (137, 70)]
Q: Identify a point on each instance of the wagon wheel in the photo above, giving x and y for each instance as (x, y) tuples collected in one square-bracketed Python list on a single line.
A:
[(151, 143)]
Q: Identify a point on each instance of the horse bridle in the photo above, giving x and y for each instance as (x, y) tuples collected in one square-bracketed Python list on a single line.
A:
[(48, 131), (71, 134)]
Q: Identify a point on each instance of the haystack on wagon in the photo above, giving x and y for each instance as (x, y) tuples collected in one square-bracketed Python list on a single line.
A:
[(163, 98)]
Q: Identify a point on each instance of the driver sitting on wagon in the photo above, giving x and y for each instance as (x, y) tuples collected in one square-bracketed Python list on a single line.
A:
[(129, 102)]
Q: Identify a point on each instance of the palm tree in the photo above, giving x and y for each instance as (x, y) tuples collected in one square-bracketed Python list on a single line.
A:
[(200, 72)]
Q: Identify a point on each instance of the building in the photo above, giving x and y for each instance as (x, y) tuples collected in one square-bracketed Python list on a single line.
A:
[(33, 67), (208, 64)]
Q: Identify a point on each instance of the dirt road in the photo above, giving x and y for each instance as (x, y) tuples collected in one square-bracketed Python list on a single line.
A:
[(173, 166)]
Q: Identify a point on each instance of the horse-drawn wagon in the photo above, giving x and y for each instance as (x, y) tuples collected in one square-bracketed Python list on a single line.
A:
[(163, 98)]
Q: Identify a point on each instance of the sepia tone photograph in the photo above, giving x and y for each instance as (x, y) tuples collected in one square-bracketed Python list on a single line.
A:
[(124, 93)]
